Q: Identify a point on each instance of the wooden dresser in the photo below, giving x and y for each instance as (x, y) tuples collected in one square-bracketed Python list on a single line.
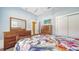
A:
[(10, 38), (46, 29)]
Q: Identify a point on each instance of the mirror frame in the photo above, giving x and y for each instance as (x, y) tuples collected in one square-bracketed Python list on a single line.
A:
[(11, 18)]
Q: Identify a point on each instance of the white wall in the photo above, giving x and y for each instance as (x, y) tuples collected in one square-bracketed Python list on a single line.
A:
[(1, 44), (0, 23), (18, 13)]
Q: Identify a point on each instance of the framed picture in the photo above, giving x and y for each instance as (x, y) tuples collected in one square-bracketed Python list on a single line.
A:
[(47, 21)]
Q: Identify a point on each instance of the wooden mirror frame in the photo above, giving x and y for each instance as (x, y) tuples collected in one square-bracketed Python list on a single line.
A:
[(11, 18)]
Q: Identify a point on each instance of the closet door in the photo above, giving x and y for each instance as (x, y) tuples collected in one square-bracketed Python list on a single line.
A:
[(61, 25), (74, 25)]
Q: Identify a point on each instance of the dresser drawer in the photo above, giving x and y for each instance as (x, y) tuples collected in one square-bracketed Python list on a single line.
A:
[(9, 45), (9, 40)]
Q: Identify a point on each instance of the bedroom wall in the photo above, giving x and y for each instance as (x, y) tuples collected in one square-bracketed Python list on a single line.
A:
[(6, 12), (1, 41), (0, 22)]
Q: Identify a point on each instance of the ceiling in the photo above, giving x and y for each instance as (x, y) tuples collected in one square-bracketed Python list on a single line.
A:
[(42, 11), (38, 11)]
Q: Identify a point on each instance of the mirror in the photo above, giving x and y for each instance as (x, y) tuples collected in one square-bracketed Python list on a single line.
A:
[(16, 23)]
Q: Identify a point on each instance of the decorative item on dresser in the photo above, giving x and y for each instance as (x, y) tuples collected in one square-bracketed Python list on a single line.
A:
[(9, 40)]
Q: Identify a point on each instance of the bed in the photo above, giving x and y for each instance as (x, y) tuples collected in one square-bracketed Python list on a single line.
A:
[(47, 43), (36, 43), (69, 43)]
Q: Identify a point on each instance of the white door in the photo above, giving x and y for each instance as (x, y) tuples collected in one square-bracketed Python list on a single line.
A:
[(74, 25), (61, 25)]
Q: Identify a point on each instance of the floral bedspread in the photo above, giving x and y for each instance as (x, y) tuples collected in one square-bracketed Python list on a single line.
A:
[(36, 43), (70, 44)]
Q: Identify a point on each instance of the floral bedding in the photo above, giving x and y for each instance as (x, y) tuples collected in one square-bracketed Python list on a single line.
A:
[(36, 43), (46, 43), (70, 43)]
